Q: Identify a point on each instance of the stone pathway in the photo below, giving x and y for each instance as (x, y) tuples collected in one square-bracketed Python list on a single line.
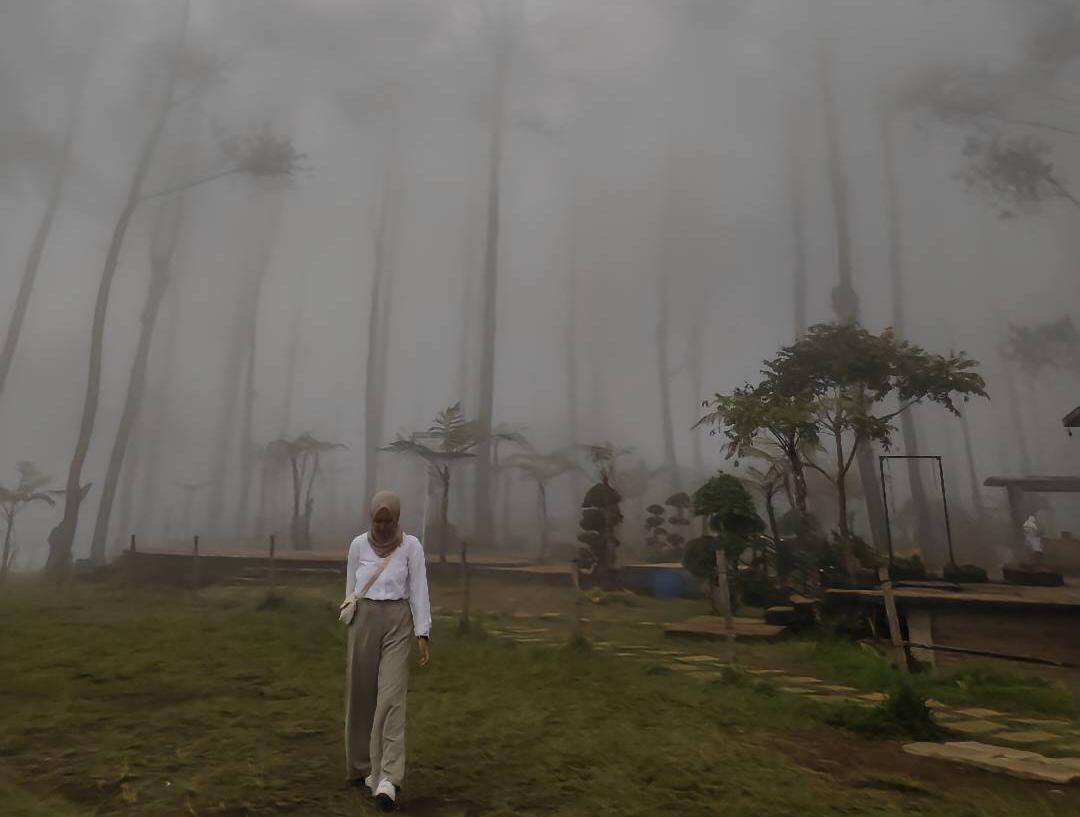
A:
[(1038, 748)]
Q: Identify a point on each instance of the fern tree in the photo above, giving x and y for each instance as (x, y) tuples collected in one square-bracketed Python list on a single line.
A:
[(304, 456), (448, 440), (542, 469), (29, 489)]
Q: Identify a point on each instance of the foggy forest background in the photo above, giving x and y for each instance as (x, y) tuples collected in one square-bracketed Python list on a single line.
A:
[(577, 219)]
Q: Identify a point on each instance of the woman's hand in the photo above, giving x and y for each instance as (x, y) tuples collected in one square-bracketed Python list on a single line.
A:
[(425, 651)]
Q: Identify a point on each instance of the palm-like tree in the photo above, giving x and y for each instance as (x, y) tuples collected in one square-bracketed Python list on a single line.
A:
[(452, 437), (12, 500), (542, 469), (304, 455)]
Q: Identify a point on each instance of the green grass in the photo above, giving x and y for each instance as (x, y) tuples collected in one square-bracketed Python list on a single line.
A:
[(230, 703)]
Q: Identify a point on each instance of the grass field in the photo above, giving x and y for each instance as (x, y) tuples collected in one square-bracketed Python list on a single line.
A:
[(229, 702)]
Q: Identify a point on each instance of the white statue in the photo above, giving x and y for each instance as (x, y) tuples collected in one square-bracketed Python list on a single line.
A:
[(1033, 538)]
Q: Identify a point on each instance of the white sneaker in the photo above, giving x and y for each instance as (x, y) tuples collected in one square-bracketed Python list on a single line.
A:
[(369, 782), (385, 796)]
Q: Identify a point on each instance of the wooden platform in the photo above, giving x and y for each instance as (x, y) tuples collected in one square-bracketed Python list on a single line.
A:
[(713, 627), (1036, 625)]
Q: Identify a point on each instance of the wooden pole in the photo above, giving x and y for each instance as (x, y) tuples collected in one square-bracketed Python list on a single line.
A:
[(579, 627), (195, 564), (273, 566), (133, 543), (895, 636), (465, 581), (725, 605)]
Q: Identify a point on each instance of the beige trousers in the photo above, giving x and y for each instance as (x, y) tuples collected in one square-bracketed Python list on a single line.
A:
[(376, 682)]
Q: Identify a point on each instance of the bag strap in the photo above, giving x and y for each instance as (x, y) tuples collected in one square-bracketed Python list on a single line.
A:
[(374, 577)]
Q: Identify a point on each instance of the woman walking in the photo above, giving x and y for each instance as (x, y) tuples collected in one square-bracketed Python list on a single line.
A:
[(386, 605)]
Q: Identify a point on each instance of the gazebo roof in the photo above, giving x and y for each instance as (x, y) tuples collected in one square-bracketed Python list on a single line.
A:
[(1037, 485), (1072, 419)]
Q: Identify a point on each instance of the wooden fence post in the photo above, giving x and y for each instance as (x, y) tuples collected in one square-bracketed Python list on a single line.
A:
[(895, 636), (465, 580), (725, 605), (273, 566), (133, 543), (195, 564)]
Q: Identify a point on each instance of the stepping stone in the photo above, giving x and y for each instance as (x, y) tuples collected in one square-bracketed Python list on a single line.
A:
[(874, 697), (765, 671), (981, 713), (837, 688), (550, 616), (627, 654), (1040, 721), (1034, 736), (976, 727), (1015, 762), (701, 659), (798, 691)]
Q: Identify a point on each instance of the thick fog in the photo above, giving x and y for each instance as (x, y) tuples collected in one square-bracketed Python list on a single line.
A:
[(662, 174)]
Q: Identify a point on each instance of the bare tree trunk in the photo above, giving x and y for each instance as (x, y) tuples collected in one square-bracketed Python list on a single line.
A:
[(233, 383), (795, 212), (129, 478), (378, 331), (444, 514), (41, 235), (928, 539), (972, 471), (696, 363), (484, 517), (5, 563), (844, 299), (664, 383), (167, 231), (153, 421), (62, 537), (545, 536), (251, 346), (1019, 433)]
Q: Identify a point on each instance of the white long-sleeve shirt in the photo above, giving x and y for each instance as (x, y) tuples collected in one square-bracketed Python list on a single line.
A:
[(405, 577)]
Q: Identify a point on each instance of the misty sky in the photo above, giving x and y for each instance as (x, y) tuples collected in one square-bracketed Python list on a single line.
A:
[(644, 141)]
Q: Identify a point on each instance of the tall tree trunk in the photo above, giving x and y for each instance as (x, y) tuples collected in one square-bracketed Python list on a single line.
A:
[(297, 485), (573, 400), (795, 213), (41, 235), (62, 537), (664, 382), (241, 339), (484, 517), (928, 539), (444, 514), (251, 345), (544, 527), (696, 364), (1019, 432), (5, 562), (378, 341), (153, 421), (972, 471), (167, 229), (129, 479), (844, 299), (291, 365)]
